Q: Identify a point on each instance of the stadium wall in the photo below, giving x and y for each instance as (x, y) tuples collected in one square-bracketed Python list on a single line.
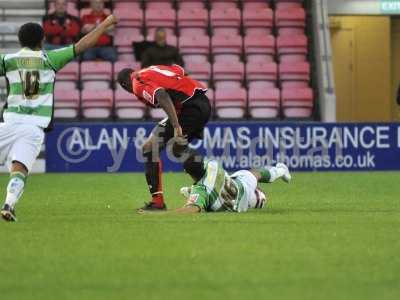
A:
[(115, 147), (361, 7)]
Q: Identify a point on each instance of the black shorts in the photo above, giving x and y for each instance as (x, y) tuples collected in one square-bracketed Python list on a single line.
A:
[(193, 118)]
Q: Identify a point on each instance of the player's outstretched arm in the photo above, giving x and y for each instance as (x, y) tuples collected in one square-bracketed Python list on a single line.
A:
[(191, 209), (90, 39), (164, 100)]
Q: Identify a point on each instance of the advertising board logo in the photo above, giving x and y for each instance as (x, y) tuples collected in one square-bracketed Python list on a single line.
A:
[(69, 146)]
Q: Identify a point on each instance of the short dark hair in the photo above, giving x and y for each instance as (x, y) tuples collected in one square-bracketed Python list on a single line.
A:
[(194, 166), (124, 79), (31, 35)]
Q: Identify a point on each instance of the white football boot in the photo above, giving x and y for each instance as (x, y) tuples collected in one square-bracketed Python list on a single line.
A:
[(286, 177)]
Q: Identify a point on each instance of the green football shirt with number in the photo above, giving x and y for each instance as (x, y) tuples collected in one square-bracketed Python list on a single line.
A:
[(30, 76), (216, 191)]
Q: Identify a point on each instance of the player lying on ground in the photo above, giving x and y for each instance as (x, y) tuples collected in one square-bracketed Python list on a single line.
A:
[(188, 110), (215, 190), (28, 111)]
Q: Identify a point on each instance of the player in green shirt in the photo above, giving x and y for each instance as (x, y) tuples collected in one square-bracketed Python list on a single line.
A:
[(215, 190), (28, 112)]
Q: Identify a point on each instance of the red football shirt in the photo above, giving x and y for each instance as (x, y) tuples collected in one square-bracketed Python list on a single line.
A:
[(146, 82)]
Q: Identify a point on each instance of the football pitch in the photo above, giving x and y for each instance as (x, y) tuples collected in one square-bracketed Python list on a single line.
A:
[(324, 236)]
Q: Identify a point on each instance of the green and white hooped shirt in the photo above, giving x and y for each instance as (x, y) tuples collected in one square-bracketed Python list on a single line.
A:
[(210, 192), (30, 79)]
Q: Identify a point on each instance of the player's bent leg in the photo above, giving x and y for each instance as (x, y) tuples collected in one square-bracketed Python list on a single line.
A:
[(153, 170), (271, 174), (15, 189)]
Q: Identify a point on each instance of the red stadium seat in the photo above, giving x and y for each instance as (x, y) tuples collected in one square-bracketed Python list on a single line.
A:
[(226, 71), (97, 104), (69, 72), (166, 4), (160, 18), (221, 45), (297, 102), (190, 4), (127, 57), (66, 102), (290, 20), (124, 37), (224, 4), (258, 84), (283, 4), (257, 18), (267, 72), (199, 71), (292, 48), (129, 14), (259, 48), (225, 17), (264, 103), (95, 85), (294, 74), (256, 4), (194, 48), (230, 103), (66, 85), (127, 4), (192, 18), (127, 106), (96, 70)]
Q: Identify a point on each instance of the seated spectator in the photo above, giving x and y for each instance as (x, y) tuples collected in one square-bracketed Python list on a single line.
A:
[(60, 28), (104, 48), (161, 53)]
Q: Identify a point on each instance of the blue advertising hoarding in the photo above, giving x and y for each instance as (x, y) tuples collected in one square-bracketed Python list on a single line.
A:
[(115, 147)]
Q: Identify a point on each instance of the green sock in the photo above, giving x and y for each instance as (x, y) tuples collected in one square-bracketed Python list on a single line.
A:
[(265, 175)]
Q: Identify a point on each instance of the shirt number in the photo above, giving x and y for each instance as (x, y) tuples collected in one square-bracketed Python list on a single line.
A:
[(30, 83)]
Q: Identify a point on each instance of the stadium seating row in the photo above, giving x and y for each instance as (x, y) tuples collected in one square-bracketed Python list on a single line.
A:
[(241, 48), (97, 74), (233, 103), (196, 47), (192, 14)]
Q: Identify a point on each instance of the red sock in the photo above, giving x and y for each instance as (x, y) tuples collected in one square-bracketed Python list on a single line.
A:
[(158, 199)]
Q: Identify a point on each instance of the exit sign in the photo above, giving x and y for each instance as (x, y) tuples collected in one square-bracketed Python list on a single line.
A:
[(390, 6)]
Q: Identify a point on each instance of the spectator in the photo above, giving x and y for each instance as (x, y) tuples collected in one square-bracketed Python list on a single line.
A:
[(161, 53), (60, 28), (104, 48)]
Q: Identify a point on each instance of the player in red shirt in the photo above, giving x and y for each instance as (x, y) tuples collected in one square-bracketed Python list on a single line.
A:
[(188, 110)]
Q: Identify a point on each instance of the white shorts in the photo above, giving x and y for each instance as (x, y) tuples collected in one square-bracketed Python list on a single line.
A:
[(249, 182), (20, 142)]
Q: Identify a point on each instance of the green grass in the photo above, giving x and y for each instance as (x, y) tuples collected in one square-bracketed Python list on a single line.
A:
[(325, 236)]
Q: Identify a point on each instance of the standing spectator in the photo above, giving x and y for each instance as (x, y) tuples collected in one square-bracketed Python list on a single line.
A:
[(60, 28), (161, 53), (104, 48)]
